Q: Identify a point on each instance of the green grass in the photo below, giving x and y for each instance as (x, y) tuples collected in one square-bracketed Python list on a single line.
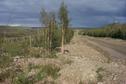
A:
[(44, 72), (50, 71), (5, 60), (23, 79), (15, 48), (32, 66)]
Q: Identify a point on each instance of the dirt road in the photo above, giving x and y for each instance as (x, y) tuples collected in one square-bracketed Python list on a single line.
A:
[(88, 61), (115, 48)]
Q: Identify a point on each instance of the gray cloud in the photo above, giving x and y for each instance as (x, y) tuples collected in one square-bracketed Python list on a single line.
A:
[(82, 13)]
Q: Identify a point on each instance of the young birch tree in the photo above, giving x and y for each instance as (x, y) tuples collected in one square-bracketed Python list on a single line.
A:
[(64, 19), (45, 21), (48, 19)]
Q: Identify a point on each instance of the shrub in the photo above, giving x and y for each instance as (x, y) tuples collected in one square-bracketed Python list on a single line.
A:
[(45, 71), (49, 70), (99, 74), (112, 30), (22, 79)]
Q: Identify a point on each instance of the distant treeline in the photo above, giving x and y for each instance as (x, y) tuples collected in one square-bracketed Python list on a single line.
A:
[(6, 31), (112, 30)]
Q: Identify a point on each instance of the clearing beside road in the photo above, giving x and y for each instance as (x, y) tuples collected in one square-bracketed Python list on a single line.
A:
[(85, 63)]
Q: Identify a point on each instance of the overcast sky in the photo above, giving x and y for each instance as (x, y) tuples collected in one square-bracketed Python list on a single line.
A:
[(88, 13)]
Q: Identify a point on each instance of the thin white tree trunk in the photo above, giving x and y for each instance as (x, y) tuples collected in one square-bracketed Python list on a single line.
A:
[(62, 41)]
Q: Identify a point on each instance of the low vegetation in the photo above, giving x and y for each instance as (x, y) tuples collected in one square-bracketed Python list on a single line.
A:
[(113, 30), (23, 43), (43, 73), (99, 74)]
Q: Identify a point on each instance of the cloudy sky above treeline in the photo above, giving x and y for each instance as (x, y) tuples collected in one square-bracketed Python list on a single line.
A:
[(87, 13)]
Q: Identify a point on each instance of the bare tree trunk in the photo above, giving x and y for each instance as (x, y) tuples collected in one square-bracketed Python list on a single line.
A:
[(44, 40), (30, 41), (51, 36), (30, 44), (47, 40), (62, 40), (50, 33)]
